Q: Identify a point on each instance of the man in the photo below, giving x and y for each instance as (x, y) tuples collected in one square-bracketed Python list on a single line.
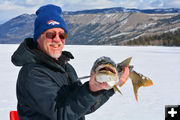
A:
[(47, 85)]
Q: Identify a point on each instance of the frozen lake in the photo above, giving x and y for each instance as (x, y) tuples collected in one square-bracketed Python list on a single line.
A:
[(161, 64)]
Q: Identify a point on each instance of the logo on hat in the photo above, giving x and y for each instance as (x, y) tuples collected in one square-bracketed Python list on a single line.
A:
[(52, 22)]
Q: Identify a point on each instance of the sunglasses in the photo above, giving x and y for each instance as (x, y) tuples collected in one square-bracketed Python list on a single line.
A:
[(52, 35)]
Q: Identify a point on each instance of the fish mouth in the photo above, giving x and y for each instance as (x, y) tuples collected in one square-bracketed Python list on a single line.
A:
[(106, 69), (107, 73)]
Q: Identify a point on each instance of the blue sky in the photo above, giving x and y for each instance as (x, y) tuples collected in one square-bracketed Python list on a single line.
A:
[(13, 8)]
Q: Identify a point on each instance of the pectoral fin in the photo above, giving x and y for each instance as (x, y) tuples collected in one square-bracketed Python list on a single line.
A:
[(122, 82), (117, 89), (139, 80)]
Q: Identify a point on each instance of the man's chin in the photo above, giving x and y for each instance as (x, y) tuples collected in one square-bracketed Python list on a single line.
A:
[(55, 56)]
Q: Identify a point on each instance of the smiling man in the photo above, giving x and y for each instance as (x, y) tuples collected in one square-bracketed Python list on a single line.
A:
[(47, 85), (52, 42)]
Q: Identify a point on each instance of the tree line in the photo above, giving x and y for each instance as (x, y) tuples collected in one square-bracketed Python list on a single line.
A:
[(165, 39)]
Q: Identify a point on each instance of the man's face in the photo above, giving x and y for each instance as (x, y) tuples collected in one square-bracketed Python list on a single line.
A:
[(52, 42)]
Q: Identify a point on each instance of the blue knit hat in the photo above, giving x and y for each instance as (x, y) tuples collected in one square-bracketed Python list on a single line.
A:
[(48, 16)]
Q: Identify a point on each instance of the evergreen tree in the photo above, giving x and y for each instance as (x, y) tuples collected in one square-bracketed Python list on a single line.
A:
[(165, 39)]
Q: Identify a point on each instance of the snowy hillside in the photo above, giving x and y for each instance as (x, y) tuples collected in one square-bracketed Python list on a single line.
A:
[(161, 64), (96, 29)]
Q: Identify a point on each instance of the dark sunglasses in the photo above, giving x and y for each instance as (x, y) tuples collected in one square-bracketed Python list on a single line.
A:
[(52, 35)]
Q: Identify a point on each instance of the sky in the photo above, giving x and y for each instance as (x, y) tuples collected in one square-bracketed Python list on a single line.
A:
[(12, 8)]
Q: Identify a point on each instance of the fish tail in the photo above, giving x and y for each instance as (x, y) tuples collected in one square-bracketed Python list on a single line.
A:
[(139, 80)]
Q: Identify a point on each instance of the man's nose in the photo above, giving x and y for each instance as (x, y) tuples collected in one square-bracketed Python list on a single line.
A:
[(57, 39)]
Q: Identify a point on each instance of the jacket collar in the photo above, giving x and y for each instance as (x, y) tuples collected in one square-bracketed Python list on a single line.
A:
[(27, 52)]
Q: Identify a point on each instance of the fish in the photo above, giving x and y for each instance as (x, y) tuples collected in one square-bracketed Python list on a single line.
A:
[(106, 70)]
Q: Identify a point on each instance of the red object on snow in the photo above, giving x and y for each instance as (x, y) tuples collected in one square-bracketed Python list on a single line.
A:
[(14, 115)]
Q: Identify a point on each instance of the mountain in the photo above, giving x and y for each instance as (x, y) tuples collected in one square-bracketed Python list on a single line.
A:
[(113, 29), (17, 29), (111, 26)]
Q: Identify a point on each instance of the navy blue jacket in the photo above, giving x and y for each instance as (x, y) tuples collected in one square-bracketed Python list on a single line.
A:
[(48, 89)]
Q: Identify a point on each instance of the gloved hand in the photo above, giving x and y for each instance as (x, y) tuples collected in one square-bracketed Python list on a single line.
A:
[(124, 76)]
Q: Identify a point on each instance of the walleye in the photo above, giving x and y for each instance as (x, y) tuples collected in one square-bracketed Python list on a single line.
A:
[(106, 70)]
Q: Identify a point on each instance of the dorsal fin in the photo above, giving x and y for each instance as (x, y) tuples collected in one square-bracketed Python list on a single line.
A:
[(124, 63)]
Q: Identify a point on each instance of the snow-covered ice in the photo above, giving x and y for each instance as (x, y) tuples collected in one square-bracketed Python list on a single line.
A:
[(161, 64)]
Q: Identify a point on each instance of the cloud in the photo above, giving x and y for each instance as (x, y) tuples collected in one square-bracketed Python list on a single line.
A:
[(172, 4), (10, 9), (71, 5), (129, 4), (13, 7)]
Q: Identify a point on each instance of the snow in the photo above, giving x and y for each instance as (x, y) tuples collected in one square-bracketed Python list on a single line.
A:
[(172, 30), (119, 34), (161, 64)]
